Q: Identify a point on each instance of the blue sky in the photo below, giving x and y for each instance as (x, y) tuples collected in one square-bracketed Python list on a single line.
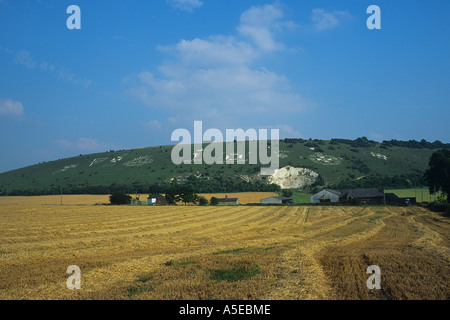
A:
[(137, 70)]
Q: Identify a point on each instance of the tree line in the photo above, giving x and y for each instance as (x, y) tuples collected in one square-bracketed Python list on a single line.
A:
[(218, 184), (174, 195), (363, 142)]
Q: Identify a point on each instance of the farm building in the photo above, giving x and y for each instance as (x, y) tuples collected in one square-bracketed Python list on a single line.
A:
[(276, 200), (325, 196), (156, 200), (363, 195), (228, 201), (392, 198)]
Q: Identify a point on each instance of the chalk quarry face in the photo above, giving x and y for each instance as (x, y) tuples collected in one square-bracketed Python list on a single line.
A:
[(293, 178)]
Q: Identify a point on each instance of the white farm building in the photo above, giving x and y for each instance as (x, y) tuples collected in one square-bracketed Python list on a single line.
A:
[(325, 196), (276, 200)]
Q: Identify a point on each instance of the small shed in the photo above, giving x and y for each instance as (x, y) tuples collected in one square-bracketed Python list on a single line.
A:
[(229, 201), (326, 196), (156, 200), (276, 200)]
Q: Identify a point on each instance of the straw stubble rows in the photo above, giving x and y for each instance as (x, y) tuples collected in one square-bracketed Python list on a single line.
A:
[(245, 252)]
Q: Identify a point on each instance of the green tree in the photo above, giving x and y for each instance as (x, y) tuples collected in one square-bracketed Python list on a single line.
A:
[(186, 195), (118, 198), (202, 201), (438, 174), (214, 201), (171, 196), (287, 193)]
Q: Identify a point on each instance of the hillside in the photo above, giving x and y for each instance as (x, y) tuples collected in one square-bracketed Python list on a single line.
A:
[(304, 164)]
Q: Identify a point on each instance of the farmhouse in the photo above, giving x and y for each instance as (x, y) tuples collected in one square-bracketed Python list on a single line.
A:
[(363, 195), (326, 196), (156, 200), (228, 201), (276, 200)]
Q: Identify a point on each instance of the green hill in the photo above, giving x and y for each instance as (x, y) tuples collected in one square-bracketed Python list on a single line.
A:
[(339, 163)]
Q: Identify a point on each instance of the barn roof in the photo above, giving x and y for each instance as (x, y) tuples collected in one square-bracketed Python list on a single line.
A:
[(283, 198), (156, 196), (330, 191), (324, 191), (333, 191), (363, 193), (228, 200)]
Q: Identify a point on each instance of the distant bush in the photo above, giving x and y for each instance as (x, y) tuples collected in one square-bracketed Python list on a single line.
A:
[(287, 193), (119, 199), (361, 142), (439, 207), (214, 201), (202, 201), (311, 145), (422, 144), (293, 140)]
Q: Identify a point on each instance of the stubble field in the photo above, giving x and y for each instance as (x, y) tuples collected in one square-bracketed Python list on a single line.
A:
[(202, 253)]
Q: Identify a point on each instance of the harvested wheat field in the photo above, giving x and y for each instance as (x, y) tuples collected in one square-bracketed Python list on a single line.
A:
[(239, 253)]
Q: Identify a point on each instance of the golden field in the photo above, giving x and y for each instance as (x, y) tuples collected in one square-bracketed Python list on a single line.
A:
[(244, 198), (245, 252)]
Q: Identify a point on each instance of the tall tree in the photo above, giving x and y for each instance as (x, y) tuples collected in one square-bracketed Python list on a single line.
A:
[(177, 193), (172, 195), (438, 174), (119, 199), (186, 195)]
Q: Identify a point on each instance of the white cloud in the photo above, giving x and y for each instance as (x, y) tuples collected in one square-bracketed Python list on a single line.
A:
[(218, 79), (215, 51), (152, 125), (10, 107), (323, 19), (233, 91), (259, 23), (84, 145), (185, 5), (24, 58), (289, 132)]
